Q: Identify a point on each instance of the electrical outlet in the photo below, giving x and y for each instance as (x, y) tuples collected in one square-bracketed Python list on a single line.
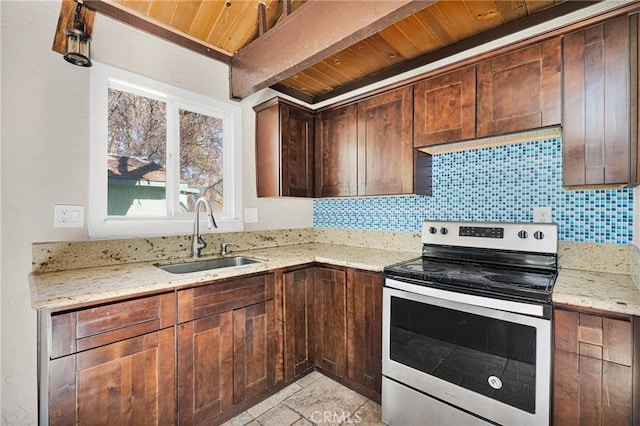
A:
[(542, 214), (251, 215), (68, 216)]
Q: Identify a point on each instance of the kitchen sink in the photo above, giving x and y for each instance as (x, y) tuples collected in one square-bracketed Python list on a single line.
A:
[(205, 265)]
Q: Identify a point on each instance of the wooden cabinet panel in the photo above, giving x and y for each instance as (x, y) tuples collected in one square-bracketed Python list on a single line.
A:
[(284, 149), (336, 159), (598, 141), (205, 368), (329, 299), (385, 147), (364, 330), (445, 108), (223, 296), (520, 90), (128, 382), (254, 350), (298, 322)]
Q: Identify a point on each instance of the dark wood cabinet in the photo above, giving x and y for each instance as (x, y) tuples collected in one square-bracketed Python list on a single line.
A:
[(284, 149), (594, 367), (444, 108), (114, 364), (227, 347), (336, 148), (364, 331), (330, 322), (520, 90), (298, 322), (385, 143), (600, 104)]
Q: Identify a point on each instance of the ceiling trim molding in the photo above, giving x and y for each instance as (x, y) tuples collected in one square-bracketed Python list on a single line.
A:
[(113, 10), (328, 27)]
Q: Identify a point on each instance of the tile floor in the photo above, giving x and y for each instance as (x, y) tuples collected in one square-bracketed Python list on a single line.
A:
[(312, 400)]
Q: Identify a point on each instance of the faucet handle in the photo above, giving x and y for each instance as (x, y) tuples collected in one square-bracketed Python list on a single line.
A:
[(224, 248)]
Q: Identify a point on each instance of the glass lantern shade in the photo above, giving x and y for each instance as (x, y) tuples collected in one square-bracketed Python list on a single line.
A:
[(78, 45)]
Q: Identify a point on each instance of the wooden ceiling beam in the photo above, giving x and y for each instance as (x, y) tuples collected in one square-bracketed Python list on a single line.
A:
[(313, 32)]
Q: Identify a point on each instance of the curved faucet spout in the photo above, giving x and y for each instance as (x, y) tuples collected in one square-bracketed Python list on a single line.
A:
[(198, 243)]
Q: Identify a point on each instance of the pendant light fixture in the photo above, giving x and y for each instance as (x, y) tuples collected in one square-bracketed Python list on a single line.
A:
[(78, 42)]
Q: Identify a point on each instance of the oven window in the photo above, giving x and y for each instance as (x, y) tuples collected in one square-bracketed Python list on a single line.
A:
[(492, 357)]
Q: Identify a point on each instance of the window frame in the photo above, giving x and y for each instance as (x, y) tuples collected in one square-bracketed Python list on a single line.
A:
[(100, 224)]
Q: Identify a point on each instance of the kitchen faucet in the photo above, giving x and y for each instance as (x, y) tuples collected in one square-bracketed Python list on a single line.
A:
[(198, 243)]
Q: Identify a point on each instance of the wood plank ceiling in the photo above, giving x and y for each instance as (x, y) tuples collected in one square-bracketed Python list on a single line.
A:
[(223, 28)]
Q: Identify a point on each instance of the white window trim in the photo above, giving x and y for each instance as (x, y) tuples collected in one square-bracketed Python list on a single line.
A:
[(103, 226)]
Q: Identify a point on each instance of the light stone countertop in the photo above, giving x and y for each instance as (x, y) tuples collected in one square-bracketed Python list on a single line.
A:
[(74, 287), (598, 290)]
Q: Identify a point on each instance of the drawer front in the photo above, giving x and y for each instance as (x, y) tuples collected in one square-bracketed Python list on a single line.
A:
[(594, 336), (101, 325), (224, 296)]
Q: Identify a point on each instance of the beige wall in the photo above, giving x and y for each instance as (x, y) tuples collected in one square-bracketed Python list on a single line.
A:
[(45, 157)]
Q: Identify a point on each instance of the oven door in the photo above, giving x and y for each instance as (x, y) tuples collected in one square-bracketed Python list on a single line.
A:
[(489, 362)]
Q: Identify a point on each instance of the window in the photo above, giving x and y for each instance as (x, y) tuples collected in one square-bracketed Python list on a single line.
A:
[(155, 149)]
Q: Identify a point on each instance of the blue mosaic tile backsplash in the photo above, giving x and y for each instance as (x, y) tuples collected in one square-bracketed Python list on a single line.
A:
[(501, 184)]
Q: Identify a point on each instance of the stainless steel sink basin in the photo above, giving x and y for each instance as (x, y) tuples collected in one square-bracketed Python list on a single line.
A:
[(205, 265)]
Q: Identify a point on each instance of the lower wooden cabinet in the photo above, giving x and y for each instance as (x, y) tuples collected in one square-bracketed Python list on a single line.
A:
[(298, 322), (594, 368)]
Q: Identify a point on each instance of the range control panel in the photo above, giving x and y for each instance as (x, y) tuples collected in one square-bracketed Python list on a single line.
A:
[(530, 237)]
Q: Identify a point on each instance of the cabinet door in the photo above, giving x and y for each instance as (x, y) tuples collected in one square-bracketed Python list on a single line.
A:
[(597, 105), (131, 382), (254, 350), (329, 299), (385, 143), (268, 149), (364, 330), (205, 368), (336, 158), (298, 322), (297, 152), (445, 108), (520, 90)]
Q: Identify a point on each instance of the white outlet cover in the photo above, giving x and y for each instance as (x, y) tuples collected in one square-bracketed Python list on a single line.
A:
[(251, 215), (542, 214), (67, 216)]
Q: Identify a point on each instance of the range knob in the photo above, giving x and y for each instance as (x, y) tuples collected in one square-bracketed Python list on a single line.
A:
[(538, 235), (433, 230), (523, 234), (443, 231)]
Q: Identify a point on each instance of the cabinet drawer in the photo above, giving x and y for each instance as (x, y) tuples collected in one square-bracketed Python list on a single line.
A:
[(595, 336), (224, 296), (88, 328)]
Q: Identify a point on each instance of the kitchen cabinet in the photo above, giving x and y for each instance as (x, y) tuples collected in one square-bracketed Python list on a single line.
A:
[(330, 322), (364, 331), (336, 148), (298, 322), (445, 108), (595, 361), (600, 92), (385, 143), (520, 90), (284, 149), (113, 363), (227, 346)]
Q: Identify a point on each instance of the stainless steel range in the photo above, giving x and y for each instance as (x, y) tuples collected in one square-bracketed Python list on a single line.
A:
[(467, 326)]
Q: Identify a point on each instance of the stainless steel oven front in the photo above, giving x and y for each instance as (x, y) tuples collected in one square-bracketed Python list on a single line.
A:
[(452, 358)]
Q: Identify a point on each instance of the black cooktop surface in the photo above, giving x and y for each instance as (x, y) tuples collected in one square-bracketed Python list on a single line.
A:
[(478, 278)]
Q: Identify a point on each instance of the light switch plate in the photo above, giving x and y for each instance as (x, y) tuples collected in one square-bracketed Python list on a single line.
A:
[(542, 214), (251, 215), (66, 216)]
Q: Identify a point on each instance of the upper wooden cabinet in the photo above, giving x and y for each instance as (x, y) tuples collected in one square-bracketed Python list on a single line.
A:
[(444, 108), (284, 149), (385, 148), (600, 104), (520, 90), (336, 159)]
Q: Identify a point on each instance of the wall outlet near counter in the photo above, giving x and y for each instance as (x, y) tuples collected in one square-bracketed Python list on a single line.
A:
[(542, 214), (251, 215), (65, 216)]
